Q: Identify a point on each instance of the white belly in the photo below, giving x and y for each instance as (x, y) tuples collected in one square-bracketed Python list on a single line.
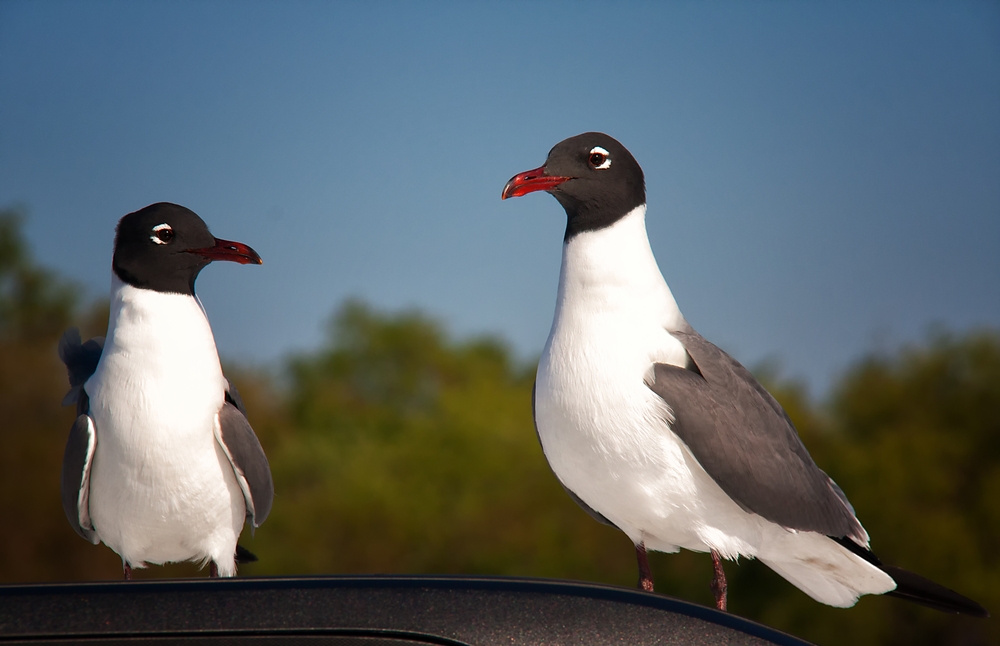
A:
[(161, 488), (173, 497), (607, 438)]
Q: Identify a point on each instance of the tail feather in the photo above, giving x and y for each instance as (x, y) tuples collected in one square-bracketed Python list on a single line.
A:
[(917, 589)]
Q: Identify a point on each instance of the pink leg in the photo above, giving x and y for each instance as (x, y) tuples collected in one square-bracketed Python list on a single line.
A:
[(213, 570), (719, 586), (645, 574), (128, 571)]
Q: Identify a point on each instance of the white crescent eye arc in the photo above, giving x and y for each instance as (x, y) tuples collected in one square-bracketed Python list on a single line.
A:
[(162, 233), (600, 158)]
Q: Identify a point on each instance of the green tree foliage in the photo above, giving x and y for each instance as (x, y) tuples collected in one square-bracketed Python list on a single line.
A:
[(414, 454), (35, 307), (395, 448)]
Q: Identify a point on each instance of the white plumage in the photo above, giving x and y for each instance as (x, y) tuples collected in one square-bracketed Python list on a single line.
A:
[(161, 487)]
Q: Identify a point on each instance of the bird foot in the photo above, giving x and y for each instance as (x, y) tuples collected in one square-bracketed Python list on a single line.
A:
[(128, 571), (213, 570)]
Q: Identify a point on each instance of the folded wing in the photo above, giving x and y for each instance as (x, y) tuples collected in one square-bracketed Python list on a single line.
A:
[(75, 481), (744, 440), (247, 458)]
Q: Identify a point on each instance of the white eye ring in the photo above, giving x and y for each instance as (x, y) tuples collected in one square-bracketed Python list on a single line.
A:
[(599, 158), (156, 231)]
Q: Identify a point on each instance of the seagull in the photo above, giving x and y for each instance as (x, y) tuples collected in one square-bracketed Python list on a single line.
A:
[(161, 464), (657, 432)]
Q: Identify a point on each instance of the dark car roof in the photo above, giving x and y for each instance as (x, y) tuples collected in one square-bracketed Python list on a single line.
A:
[(366, 611)]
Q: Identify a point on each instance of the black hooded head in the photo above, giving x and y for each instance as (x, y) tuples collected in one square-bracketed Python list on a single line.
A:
[(594, 177), (164, 247)]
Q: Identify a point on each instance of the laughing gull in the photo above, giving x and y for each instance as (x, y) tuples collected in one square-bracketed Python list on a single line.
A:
[(161, 464), (655, 431)]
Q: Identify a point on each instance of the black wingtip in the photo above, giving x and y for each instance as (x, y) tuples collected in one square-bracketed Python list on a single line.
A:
[(81, 359), (243, 555), (917, 589), (68, 344)]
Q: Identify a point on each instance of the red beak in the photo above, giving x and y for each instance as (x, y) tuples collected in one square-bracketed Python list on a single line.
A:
[(232, 251), (530, 181)]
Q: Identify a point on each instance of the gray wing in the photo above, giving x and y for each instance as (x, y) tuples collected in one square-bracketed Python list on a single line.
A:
[(248, 460), (744, 440), (75, 480), (233, 397), (81, 361), (593, 513)]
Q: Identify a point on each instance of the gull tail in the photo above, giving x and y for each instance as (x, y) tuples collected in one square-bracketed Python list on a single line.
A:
[(916, 588)]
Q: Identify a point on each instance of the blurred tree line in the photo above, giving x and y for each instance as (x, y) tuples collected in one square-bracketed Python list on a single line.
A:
[(397, 449)]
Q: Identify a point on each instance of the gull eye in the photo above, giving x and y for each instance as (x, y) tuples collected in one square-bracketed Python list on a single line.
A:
[(599, 158), (162, 234)]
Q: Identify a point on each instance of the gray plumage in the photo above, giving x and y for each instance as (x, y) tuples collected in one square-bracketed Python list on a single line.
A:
[(249, 462), (233, 397), (75, 477), (744, 440), (81, 361)]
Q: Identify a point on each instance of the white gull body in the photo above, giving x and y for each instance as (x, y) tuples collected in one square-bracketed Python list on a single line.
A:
[(161, 486), (607, 437)]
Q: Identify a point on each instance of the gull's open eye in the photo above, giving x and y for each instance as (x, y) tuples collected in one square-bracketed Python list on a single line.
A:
[(599, 158), (162, 234)]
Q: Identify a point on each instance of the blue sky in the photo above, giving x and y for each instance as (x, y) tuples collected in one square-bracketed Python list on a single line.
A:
[(823, 178)]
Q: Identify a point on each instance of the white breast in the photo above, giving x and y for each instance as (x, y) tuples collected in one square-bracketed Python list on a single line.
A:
[(603, 431), (161, 488)]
